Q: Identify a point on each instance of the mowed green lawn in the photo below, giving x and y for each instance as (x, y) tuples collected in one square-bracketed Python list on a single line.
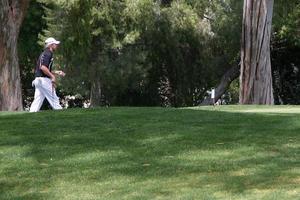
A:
[(226, 152)]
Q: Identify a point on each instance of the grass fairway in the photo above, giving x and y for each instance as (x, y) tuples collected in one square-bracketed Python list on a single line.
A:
[(228, 152)]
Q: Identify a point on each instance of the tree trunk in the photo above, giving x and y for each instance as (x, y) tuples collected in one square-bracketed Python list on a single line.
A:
[(11, 16), (226, 80), (256, 76), (95, 97)]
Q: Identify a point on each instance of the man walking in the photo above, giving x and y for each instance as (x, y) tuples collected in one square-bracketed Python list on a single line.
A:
[(45, 80)]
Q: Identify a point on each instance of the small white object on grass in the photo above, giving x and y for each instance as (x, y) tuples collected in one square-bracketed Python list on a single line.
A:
[(213, 93)]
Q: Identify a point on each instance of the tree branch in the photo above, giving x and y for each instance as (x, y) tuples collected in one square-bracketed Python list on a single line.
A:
[(225, 82)]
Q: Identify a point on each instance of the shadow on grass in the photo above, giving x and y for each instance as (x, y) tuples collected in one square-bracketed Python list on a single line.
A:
[(234, 152)]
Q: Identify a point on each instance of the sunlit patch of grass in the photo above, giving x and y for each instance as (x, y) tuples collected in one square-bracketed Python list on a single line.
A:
[(5, 113), (251, 109)]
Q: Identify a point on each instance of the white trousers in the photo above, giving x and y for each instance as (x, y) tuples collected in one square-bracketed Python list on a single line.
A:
[(44, 89)]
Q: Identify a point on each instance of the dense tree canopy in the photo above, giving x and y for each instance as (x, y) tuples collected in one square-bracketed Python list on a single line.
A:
[(153, 52)]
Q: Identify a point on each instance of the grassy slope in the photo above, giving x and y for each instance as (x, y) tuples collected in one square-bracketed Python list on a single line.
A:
[(230, 152)]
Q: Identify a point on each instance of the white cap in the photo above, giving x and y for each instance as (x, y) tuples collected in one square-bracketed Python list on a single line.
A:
[(50, 41)]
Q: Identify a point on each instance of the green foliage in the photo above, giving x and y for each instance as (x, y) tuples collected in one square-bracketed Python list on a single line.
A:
[(143, 52), (232, 95), (174, 36), (146, 52), (285, 53), (125, 43), (287, 22), (67, 21)]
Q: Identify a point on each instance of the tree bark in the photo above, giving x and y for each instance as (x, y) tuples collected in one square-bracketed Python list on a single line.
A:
[(256, 76), (95, 97), (225, 82), (12, 13)]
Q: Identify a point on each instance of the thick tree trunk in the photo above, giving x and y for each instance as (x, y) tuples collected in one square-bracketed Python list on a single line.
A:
[(11, 16), (95, 97), (225, 82), (256, 75)]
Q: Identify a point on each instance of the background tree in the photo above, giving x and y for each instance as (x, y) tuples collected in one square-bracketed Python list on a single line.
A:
[(226, 21), (151, 53), (135, 52), (11, 16), (256, 76)]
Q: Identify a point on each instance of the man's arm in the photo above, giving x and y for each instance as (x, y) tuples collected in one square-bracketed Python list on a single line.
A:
[(48, 73)]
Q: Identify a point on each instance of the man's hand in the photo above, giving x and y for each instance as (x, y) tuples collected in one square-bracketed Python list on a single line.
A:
[(60, 73), (53, 80)]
